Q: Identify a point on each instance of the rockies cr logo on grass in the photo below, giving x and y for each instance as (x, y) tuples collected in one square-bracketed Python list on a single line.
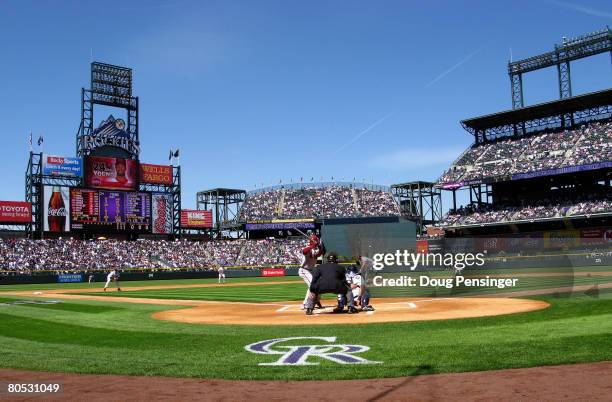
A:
[(306, 355)]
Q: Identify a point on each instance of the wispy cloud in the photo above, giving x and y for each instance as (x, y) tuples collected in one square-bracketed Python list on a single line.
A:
[(582, 9), (364, 132), (453, 68), (415, 158)]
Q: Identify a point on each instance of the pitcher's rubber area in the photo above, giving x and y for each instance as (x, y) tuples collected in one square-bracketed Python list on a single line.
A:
[(576, 382), (387, 310)]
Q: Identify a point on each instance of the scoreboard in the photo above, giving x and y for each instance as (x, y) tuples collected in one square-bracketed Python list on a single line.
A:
[(122, 211)]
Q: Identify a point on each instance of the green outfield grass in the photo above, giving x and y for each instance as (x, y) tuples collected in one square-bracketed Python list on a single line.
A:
[(122, 338), (252, 294), (524, 283), (128, 284)]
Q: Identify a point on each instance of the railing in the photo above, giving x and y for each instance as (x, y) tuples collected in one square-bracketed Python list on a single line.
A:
[(319, 185)]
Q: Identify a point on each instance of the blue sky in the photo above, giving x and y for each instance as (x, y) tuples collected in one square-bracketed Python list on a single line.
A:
[(254, 92)]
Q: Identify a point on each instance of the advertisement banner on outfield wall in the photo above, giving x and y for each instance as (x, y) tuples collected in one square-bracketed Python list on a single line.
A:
[(273, 272), (161, 205), (56, 209), (196, 219), (526, 243), (596, 237), (562, 239), (422, 246), (456, 245), (156, 174), (15, 212), (69, 278), (490, 244), (111, 173), (53, 165)]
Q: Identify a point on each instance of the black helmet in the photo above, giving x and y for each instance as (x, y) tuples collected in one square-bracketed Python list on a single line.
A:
[(332, 257)]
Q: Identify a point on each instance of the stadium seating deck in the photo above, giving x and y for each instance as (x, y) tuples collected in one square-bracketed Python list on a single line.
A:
[(589, 205), (588, 144), (318, 202)]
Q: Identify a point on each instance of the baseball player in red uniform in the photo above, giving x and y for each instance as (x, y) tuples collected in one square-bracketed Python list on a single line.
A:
[(310, 254)]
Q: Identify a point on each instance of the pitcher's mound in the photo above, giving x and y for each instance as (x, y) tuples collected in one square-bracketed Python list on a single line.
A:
[(386, 310)]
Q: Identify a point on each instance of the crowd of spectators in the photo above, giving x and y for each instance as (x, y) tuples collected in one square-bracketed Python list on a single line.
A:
[(376, 203), (590, 143), (590, 206), (65, 254), (318, 202), (263, 205), (270, 252), (474, 214)]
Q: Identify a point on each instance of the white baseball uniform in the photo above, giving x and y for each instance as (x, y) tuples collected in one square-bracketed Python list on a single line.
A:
[(221, 272), (356, 280), (305, 272), (109, 278)]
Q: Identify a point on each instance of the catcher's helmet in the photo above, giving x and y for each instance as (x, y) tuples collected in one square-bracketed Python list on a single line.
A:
[(332, 257)]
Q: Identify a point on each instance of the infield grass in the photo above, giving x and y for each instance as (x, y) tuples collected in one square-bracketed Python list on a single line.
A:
[(122, 338)]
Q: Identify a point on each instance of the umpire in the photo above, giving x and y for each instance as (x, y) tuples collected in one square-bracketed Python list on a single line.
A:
[(329, 278)]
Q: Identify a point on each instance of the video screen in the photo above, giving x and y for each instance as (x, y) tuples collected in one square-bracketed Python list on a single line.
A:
[(111, 173), (110, 210)]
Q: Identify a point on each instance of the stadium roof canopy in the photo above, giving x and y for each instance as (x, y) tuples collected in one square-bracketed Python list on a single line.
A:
[(563, 113)]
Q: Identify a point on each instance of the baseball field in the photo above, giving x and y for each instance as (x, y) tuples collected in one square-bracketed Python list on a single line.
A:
[(201, 329)]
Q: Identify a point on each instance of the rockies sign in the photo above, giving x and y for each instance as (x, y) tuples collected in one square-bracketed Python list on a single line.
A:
[(307, 354), (111, 132)]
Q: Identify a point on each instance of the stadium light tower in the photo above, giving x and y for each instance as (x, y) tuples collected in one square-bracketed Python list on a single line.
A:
[(569, 50), (110, 86)]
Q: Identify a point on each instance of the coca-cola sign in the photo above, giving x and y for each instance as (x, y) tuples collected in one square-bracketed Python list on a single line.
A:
[(162, 213), (56, 209), (15, 212)]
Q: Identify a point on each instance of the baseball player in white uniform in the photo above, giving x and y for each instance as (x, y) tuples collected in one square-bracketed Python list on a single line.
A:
[(112, 275), (314, 250), (355, 277), (221, 272)]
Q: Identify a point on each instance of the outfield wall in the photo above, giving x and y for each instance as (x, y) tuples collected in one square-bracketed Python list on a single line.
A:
[(53, 277)]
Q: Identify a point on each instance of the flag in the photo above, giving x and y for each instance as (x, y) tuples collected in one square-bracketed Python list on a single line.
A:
[(41, 140), (170, 156), (30, 140), (176, 154)]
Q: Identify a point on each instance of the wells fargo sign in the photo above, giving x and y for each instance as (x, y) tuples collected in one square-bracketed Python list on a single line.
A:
[(156, 174)]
